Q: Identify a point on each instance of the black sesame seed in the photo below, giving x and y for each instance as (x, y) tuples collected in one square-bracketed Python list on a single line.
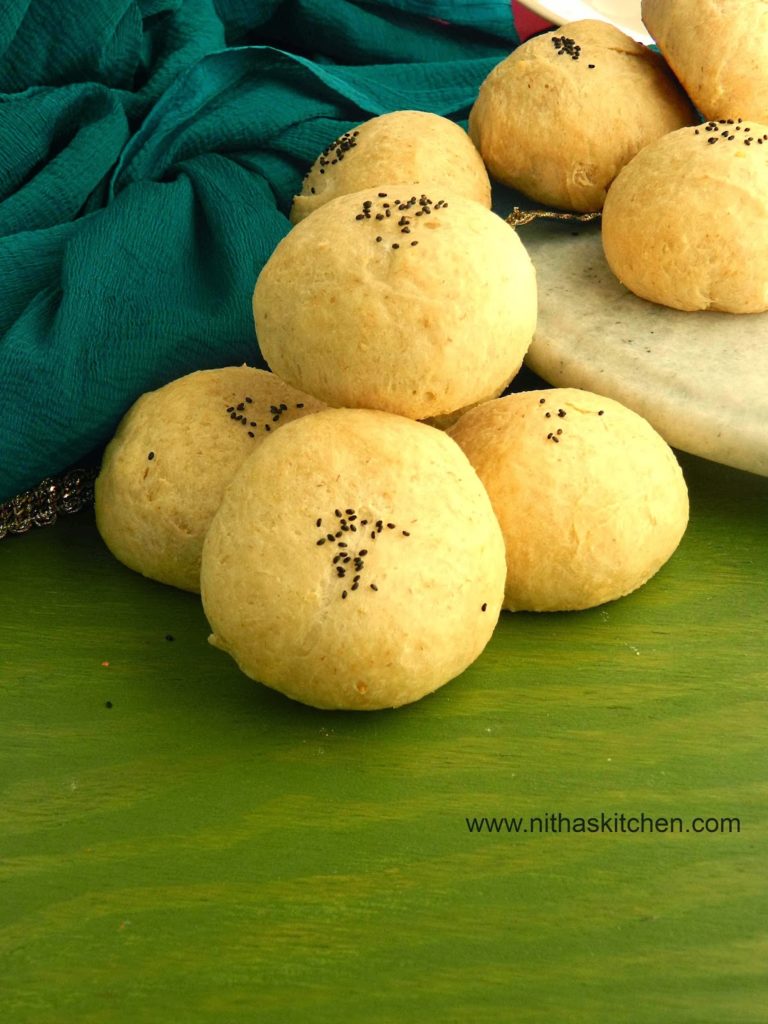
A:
[(319, 522), (150, 456), (299, 405), (321, 541), (343, 595), (484, 608), (374, 587)]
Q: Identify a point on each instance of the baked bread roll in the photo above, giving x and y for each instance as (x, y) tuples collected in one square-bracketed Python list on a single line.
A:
[(406, 147), (685, 223), (560, 116), (410, 303), (719, 51), (355, 562), (174, 452), (591, 500)]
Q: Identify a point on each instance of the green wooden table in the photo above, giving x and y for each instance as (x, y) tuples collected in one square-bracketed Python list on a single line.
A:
[(179, 843)]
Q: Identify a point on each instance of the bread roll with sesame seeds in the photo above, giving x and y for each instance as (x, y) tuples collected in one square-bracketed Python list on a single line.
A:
[(591, 500), (560, 116), (718, 50), (164, 472), (685, 224), (386, 299), (355, 562), (408, 147)]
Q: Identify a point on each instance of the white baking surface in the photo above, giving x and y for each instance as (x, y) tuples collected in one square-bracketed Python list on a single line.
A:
[(700, 378), (623, 13)]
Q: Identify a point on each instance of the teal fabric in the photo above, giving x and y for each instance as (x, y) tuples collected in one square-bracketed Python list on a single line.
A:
[(149, 150)]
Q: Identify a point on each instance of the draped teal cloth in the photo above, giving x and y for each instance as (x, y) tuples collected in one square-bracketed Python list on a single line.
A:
[(149, 151)]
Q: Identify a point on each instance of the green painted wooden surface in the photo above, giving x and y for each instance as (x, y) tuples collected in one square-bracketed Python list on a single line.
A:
[(205, 850)]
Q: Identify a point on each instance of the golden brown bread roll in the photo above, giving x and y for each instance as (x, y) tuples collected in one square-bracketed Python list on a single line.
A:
[(174, 452), (685, 223), (719, 51), (388, 299), (591, 500), (355, 562), (560, 116), (407, 147)]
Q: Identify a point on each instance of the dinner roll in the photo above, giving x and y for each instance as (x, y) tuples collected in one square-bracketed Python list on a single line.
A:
[(685, 223), (176, 449), (355, 562), (405, 147), (410, 303), (560, 116), (591, 500), (719, 51)]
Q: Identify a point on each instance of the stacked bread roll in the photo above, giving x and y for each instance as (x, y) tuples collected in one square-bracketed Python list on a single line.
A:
[(584, 118), (348, 553)]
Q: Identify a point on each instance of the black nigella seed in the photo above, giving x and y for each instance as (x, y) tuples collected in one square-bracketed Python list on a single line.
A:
[(542, 401), (363, 552), (329, 536), (249, 400), (230, 408), (251, 434), (343, 595), (561, 413), (406, 533), (484, 608), (299, 405), (319, 522), (150, 456), (321, 541), (267, 427), (395, 246), (601, 412), (390, 526), (374, 587)]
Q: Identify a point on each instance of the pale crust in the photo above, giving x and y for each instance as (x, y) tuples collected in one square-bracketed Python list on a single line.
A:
[(685, 224), (719, 51), (559, 129), (591, 500), (420, 594), (396, 324), (176, 449), (409, 147)]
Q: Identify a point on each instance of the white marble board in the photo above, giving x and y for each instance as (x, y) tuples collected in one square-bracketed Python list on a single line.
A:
[(700, 378)]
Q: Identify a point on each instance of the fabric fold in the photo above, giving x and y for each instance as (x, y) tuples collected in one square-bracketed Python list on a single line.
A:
[(139, 202)]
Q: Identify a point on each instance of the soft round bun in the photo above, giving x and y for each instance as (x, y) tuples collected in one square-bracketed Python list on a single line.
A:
[(591, 500), (355, 562), (175, 451), (719, 51), (685, 224), (412, 304), (406, 147), (560, 116)]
